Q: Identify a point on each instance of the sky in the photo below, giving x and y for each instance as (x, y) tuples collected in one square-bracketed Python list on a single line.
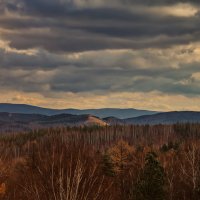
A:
[(142, 54)]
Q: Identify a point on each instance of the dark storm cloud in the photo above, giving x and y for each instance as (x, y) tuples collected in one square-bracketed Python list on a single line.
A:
[(56, 7), (131, 80), (71, 42), (87, 74), (40, 60), (75, 28), (78, 81), (56, 29), (81, 35)]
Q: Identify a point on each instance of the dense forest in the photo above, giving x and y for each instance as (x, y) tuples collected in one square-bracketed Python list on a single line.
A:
[(160, 162)]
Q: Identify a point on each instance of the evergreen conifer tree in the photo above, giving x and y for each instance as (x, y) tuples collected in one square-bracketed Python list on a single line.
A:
[(150, 186)]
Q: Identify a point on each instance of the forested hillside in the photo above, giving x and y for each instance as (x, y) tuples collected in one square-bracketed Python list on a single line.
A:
[(102, 163)]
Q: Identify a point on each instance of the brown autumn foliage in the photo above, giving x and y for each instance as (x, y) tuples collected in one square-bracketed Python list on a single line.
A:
[(121, 155), (68, 163)]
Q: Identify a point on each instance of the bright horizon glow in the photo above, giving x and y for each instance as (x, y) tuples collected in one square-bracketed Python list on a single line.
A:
[(142, 101)]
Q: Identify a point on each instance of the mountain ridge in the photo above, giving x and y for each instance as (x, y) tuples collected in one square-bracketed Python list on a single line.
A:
[(166, 118), (102, 112), (14, 122)]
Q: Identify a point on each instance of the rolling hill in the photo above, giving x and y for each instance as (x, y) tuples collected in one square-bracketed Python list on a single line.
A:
[(15, 122), (114, 121), (166, 118)]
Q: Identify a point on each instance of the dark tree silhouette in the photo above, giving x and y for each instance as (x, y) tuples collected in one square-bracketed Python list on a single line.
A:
[(151, 182)]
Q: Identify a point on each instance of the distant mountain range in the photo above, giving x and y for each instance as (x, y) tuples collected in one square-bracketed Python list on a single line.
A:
[(25, 117), (102, 113)]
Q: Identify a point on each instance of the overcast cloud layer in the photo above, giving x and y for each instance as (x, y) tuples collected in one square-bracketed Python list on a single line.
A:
[(101, 53)]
